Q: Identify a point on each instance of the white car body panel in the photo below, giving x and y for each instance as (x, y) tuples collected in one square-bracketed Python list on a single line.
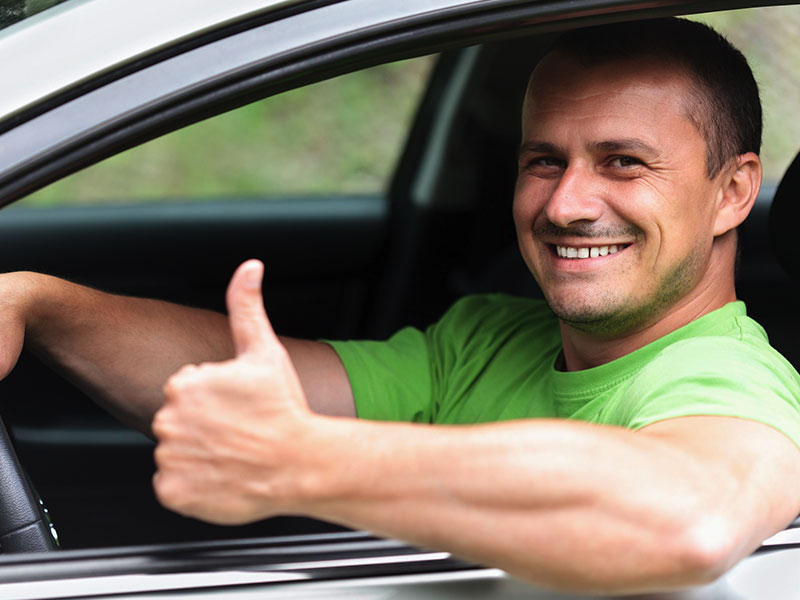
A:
[(61, 44)]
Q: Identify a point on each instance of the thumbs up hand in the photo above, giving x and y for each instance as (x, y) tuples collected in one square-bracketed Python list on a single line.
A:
[(230, 433)]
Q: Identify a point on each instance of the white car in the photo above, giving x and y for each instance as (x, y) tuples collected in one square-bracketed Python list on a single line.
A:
[(396, 243)]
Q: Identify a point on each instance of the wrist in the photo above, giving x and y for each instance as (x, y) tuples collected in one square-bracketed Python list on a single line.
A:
[(16, 299), (18, 295), (25, 297), (331, 468)]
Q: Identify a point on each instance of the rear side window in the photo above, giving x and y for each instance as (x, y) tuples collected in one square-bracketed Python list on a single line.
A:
[(770, 39), (13, 11), (341, 136)]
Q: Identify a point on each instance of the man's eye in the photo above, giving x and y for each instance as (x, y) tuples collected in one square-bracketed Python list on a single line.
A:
[(548, 161), (625, 162), (545, 162)]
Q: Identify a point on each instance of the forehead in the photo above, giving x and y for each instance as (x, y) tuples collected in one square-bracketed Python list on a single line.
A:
[(642, 92)]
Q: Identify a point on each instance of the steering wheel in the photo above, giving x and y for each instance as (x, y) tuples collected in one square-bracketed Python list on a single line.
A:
[(24, 524)]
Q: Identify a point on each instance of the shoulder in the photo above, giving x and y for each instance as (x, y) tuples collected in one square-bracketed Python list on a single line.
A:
[(495, 315), (723, 375), (732, 356), (499, 308), (718, 342)]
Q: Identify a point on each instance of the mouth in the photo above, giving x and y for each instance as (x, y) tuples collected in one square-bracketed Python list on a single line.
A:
[(583, 252)]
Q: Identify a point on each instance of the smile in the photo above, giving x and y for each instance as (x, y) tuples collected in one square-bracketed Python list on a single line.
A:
[(588, 252)]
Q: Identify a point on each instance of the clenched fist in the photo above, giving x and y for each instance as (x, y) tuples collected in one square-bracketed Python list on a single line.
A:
[(233, 436)]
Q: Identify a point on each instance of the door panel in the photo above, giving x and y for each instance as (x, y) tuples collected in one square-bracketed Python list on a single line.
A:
[(323, 256)]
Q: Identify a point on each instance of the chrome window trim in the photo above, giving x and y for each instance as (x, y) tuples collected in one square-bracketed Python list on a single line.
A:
[(225, 565), (249, 585)]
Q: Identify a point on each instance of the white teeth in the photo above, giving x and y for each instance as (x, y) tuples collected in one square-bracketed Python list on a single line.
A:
[(593, 252)]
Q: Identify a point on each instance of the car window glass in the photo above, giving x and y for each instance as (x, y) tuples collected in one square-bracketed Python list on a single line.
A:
[(770, 39), (12, 11), (341, 136)]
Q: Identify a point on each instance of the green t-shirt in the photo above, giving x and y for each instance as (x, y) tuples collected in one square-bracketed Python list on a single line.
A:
[(493, 357)]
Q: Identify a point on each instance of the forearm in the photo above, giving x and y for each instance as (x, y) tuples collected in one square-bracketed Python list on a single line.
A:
[(569, 505), (119, 350)]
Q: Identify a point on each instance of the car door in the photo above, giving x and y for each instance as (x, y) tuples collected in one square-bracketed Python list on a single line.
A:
[(342, 262), (318, 218), (347, 261)]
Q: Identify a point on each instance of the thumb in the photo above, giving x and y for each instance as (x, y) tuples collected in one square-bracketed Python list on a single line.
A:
[(250, 328)]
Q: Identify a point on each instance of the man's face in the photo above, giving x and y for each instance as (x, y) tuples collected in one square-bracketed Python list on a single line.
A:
[(613, 207)]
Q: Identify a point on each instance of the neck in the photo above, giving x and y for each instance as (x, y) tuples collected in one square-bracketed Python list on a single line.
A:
[(583, 350)]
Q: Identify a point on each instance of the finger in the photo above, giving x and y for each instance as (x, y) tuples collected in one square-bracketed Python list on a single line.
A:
[(251, 330)]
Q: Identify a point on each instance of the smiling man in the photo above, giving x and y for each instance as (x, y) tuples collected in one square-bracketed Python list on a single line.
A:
[(627, 198), (636, 434), (639, 158)]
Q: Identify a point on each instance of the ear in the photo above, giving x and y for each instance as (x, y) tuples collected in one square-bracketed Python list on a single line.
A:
[(737, 194)]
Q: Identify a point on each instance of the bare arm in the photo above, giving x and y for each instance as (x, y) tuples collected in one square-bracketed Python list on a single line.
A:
[(322, 376), (566, 504), (569, 505), (121, 350)]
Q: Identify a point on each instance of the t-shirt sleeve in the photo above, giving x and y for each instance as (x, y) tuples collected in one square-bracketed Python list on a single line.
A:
[(406, 377), (391, 380), (715, 376)]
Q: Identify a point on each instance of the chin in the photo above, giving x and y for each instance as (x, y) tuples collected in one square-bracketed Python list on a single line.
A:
[(604, 317)]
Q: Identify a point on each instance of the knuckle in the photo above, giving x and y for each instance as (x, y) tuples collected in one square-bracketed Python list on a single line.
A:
[(163, 453), (186, 373), (161, 423), (172, 387), (160, 456), (174, 494), (182, 382), (166, 489)]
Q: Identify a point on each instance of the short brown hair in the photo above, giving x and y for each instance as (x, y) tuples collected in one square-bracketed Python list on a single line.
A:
[(724, 104)]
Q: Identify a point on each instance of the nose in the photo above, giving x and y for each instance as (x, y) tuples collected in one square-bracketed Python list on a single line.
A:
[(577, 197)]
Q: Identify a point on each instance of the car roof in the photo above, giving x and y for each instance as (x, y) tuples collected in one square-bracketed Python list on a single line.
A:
[(76, 40)]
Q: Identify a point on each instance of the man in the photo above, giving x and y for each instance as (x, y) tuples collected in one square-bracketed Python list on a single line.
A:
[(643, 438)]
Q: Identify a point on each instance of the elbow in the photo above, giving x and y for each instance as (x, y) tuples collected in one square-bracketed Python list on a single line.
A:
[(707, 547)]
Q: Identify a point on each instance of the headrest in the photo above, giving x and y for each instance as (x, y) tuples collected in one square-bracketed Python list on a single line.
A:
[(784, 214)]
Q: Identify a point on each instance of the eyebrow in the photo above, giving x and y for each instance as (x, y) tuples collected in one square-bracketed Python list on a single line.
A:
[(539, 147), (625, 145), (633, 145)]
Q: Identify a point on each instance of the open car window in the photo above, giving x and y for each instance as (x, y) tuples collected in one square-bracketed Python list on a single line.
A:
[(13, 11), (340, 136), (345, 135), (769, 39)]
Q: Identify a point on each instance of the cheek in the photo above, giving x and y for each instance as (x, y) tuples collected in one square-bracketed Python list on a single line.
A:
[(690, 222), (520, 211), (665, 213), (686, 235), (527, 204)]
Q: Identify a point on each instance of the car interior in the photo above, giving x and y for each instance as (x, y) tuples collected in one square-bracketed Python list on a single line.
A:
[(337, 267)]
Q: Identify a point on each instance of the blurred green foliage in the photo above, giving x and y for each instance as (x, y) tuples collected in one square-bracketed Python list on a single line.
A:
[(342, 135), (770, 39)]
